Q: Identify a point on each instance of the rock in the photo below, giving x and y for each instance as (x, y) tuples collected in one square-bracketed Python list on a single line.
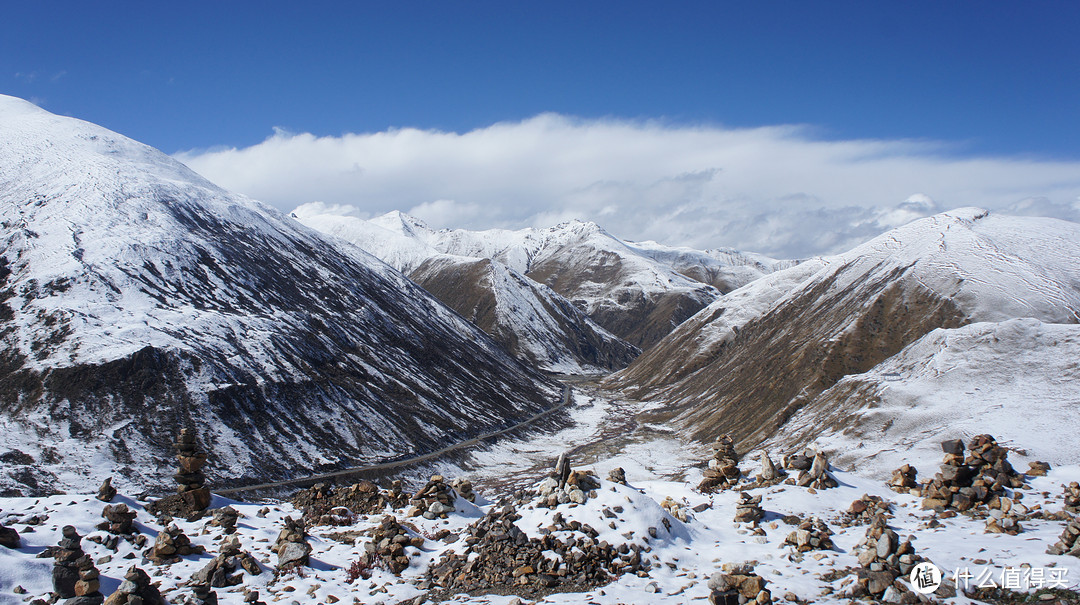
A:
[(1038, 468), (106, 492), (293, 554), (953, 446), (9, 537), (880, 581), (136, 588), (617, 475), (119, 519)]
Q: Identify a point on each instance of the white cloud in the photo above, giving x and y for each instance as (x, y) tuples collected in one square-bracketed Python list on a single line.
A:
[(775, 190)]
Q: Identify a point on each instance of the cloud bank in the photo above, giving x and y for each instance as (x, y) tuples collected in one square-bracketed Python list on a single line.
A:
[(776, 190)]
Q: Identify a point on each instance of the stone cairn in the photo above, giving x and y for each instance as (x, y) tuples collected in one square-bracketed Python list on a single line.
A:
[(904, 479), (136, 589), (9, 537), (464, 489), (190, 478), (965, 483), (884, 558), (225, 518), (723, 471), (433, 501), (202, 594), (65, 571), (499, 554), (737, 584), (1004, 516), (227, 568), (387, 546), (813, 469), (866, 510), (1069, 542), (770, 474), (565, 486), (1072, 497), (170, 545), (291, 545), (119, 520), (88, 588), (811, 535), (617, 475), (106, 492), (748, 509), (320, 501)]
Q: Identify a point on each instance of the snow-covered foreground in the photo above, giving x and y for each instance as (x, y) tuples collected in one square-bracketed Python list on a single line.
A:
[(682, 555)]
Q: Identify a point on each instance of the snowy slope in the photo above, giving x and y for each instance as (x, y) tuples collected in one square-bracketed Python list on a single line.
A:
[(1018, 380), (533, 322), (138, 297), (755, 358)]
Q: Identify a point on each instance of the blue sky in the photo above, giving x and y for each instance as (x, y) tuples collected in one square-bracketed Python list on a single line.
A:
[(996, 77), (859, 110)]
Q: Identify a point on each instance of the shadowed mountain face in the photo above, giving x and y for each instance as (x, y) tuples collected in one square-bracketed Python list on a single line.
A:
[(138, 298), (751, 361), (530, 320)]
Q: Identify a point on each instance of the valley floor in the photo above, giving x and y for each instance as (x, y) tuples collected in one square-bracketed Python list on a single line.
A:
[(658, 466)]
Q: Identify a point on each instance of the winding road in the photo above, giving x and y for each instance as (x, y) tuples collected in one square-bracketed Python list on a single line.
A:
[(383, 466)]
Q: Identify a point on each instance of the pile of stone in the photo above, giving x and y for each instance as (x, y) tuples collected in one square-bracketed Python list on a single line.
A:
[(737, 584), (904, 479), (170, 545), (748, 509), (190, 478), (202, 594), (564, 486), (291, 545), (866, 510), (433, 501), (88, 587), (1037, 468), (675, 509), (1004, 516), (1069, 542), (225, 518), (464, 489), (65, 567), (617, 475), (136, 589), (499, 555), (106, 492), (9, 537), (119, 520), (228, 567), (884, 559), (770, 474), (813, 469), (723, 471), (811, 535), (362, 498), (388, 543), (966, 482), (1072, 497)]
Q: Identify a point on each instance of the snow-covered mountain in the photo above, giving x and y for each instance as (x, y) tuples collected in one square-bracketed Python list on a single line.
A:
[(800, 354), (638, 292), (137, 298), (533, 322)]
